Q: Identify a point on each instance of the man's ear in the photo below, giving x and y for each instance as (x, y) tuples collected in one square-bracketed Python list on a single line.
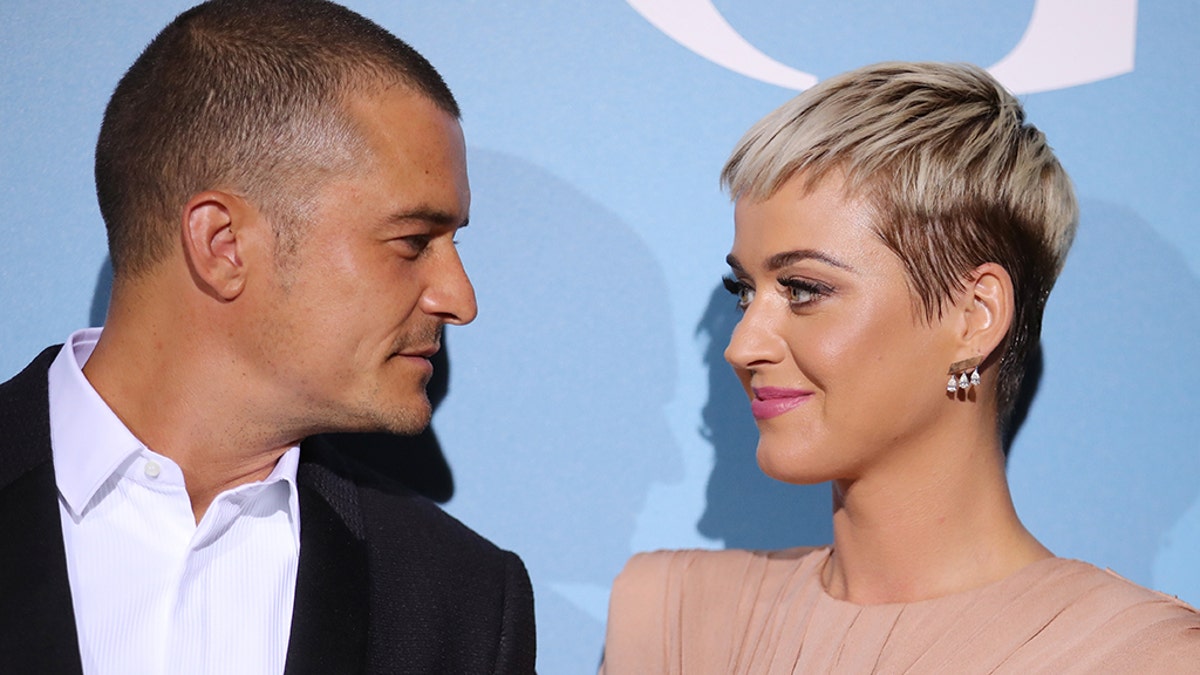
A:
[(985, 309), (214, 241)]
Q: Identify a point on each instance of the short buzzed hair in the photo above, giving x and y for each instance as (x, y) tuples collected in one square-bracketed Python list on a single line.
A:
[(243, 95), (956, 176)]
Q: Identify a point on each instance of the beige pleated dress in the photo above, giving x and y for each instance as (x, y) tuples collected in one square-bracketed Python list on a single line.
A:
[(767, 613)]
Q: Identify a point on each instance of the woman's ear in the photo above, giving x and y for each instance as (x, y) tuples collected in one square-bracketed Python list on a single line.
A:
[(213, 240), (985, 308)]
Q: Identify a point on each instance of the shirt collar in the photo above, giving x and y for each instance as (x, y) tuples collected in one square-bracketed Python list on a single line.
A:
[(285, 470), (89, 442)]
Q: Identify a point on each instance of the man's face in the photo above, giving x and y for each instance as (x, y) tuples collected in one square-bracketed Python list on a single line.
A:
[(354, 312)]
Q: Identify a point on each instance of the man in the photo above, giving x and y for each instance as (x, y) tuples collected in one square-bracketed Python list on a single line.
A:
[(282, 183)]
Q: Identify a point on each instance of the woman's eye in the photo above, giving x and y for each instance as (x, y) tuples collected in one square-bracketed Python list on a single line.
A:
[(801, 293), (741, 290)]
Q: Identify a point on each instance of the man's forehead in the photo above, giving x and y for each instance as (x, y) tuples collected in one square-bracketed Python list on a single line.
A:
[(398, 103), (412, 150)]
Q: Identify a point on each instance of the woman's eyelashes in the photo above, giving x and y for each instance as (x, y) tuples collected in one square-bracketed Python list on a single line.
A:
[(803, 292), (740, 290), (800, 293)]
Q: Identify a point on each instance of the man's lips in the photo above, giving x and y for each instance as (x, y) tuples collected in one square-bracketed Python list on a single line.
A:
[(419, 357), (771, 402), (420, 352)]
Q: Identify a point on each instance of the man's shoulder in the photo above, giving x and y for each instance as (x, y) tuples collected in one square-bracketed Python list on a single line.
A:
[(25, 418), (31, 381), (391, 516), (391, 509), (433, 580)]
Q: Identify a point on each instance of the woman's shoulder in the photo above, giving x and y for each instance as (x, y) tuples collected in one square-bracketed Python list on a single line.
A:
[(1105, 622), (675, 606), (725, 567), (1078, 582), (686, 558), (709, 581)]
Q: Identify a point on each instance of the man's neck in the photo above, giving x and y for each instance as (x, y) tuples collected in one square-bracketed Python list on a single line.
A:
[(177, 399)]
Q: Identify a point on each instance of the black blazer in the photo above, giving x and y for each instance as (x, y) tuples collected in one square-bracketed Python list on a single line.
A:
[(387, 582)]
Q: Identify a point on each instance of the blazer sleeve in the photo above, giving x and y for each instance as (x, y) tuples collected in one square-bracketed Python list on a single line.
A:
[(518, 637)]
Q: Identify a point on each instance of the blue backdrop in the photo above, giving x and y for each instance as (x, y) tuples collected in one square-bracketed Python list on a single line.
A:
[(590, 414)]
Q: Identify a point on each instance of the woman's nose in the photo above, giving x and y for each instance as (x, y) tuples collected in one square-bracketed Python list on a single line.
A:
[(755, 341)]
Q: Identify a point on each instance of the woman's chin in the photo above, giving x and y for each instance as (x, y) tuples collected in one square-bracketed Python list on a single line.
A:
[(797, 466)]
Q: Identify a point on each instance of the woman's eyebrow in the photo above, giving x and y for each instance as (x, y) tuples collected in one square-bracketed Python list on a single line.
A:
[(781, 260), (734, 264)]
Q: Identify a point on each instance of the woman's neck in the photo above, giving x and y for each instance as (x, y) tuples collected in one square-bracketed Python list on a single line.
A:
[(932, 523)]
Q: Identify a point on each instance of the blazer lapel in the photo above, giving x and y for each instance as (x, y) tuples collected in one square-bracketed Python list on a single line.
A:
[(330, 615), (37, 619)]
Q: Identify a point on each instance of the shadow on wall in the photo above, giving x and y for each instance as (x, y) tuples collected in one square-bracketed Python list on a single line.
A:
[(102, 294), (416, 461), (746, 508), (560, 391), (1106, 462)]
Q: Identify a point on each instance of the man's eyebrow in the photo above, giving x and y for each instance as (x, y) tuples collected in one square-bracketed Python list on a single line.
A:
[(430, 215)]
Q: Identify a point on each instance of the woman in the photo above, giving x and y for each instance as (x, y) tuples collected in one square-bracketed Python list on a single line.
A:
[(897, 232)]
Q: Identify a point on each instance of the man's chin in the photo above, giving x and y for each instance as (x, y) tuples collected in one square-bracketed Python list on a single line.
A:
[(407, 427), (405, 417), (407, 420)]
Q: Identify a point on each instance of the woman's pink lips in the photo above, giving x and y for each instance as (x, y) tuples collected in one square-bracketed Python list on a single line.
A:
[(771, 402)]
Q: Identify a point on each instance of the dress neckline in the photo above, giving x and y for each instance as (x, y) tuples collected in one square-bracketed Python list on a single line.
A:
[(819, 557)]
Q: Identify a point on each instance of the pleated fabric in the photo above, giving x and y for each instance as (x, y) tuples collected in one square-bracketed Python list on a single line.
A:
[(767, 613)]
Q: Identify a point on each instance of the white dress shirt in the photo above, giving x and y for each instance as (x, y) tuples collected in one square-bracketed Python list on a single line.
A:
[(153, 591)]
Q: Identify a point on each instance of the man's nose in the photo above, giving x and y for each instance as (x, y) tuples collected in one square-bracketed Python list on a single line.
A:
[(449, 294)]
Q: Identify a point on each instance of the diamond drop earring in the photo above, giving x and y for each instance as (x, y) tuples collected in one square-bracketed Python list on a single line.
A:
[(959, 379)]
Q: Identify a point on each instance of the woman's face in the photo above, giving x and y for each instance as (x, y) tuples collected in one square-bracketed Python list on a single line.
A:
[(843, 375)]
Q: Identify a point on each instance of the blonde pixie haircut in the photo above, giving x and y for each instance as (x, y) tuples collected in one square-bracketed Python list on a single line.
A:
[(956, 176)]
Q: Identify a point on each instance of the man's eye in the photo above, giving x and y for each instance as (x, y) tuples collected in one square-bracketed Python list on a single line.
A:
[(414, 244)]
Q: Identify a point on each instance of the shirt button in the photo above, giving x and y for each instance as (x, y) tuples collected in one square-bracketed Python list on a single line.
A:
[(152, 469)]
